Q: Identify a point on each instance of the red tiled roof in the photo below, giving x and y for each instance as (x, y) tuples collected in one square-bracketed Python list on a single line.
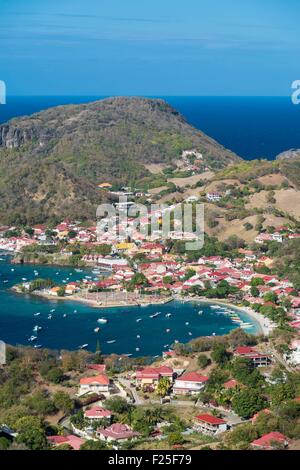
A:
[(231, 384), (73, 441), (97, 412), (267, 439), (99, 379), (245, 350), (154, 372), (193, 377), (118, 431), (210, 419)]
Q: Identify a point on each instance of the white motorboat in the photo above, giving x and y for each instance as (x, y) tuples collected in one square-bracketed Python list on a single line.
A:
[(111, 341), (32, 338), (37, 328), (96, 330), (102, 320), (83, 346)]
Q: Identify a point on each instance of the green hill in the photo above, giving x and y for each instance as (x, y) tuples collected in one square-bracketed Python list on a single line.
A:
[(51, 162)]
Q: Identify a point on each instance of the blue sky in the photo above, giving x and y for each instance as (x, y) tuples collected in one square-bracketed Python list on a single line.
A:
[(149, 47)]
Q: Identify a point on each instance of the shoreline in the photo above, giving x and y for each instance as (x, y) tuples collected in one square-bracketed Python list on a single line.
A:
[(266, 326), (93, 303)]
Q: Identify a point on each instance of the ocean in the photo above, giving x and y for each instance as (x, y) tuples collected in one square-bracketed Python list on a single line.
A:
[(253, 127), (73, 323)]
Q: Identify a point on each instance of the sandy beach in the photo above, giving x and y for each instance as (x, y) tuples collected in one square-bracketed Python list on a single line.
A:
[(266, 325)]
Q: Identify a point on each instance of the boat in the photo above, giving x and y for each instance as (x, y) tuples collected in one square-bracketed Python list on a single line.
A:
[(37, 328), (190, 334), (24, 279), (102, 320), (96, 330), (168, 330), (168, 315), (32, 338), (200, 312), (37, 346), (145, 305), (154, 315), (187, 323), (83, 346), (37, 314), (77, 270), (12, 269), (138, 336), (64, 315), (49, 317), (138, 320), (75, 311), (53, 310), (111, 341), (137, 349)]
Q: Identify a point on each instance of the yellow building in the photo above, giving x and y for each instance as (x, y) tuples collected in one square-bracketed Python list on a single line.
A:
[(125, 246)]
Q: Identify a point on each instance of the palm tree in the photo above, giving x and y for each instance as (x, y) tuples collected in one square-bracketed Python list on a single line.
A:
[(163, 387)]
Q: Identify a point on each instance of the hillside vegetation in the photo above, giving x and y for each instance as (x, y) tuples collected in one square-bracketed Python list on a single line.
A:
[(51, 162)]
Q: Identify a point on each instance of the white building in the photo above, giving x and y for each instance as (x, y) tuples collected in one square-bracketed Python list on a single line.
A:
[(190, 383)]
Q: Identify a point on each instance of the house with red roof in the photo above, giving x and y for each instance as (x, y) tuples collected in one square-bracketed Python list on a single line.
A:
[(73, 441), (99, 384), (97, 412), (150, 376), (209, 424), (116, 432), (189, 383), (230, 384), (270, 441), (258, 359)]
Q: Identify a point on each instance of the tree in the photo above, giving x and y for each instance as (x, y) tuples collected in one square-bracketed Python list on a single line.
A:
[(241, 436), (61, 291), (31, 433), (117, 405), (55, 375), (203, 361), (247, 402), (270, 297), (4, 443), (63, 402), (175, 438), (257, 281), (93, 445), (220, 355), (254, 291), (163, 387)]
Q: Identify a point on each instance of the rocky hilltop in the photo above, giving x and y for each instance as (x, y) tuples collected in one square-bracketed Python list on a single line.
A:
[(51, 162)]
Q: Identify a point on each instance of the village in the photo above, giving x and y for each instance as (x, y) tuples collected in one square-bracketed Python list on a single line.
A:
[(233, 391)]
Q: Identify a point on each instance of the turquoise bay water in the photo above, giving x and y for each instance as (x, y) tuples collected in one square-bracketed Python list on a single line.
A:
[(17, 318)]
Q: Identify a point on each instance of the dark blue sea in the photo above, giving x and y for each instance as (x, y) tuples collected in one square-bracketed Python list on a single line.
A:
[(253, 127), (73, 323)]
